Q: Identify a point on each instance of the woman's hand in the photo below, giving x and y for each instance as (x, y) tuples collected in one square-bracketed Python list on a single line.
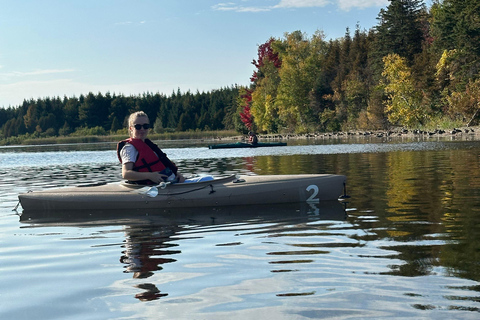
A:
[(157, 177), (180, 177)]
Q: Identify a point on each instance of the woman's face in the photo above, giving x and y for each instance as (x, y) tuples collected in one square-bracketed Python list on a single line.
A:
[(139, 132)]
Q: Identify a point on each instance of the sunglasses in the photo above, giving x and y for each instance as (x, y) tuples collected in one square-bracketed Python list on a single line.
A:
[(139, 126)]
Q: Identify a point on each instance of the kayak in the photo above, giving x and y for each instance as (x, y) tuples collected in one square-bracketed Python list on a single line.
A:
[(222, 191), (247, 145)]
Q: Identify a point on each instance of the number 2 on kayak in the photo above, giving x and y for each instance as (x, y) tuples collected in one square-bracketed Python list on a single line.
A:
[(312, 197)]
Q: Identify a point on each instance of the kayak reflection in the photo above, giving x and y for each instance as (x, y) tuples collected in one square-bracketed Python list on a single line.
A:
[(333, 210), (153, 239)]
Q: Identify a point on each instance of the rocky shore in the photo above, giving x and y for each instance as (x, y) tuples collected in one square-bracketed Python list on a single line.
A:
[(468, 133)]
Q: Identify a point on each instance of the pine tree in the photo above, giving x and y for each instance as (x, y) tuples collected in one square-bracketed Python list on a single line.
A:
[(456, 30), (400, 30)]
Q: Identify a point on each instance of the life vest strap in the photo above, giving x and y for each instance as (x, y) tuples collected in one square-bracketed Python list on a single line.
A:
[(146, 165)]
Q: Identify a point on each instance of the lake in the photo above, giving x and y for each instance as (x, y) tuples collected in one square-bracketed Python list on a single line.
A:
[(405, 245)]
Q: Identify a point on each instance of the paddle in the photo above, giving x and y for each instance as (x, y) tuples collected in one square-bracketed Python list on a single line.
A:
[(152, 192)]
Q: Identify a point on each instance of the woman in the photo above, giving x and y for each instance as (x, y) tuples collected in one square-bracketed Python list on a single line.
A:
[(142, 161)]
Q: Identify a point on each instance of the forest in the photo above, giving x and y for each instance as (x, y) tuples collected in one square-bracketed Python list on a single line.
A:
[(101, 114), (419, 67)]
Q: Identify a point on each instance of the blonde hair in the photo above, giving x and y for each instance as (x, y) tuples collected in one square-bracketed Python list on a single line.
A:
[(134, 116)]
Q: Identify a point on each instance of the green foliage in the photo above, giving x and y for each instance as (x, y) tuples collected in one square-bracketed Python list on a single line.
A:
[(329, 121), (466, 103), (84, 131), (456, 29), (456, 25), (65, 130), (36, 139), (374, 116), (400, 29), (300, 76), (97, 114), (115, 125), (395, 74), (441, 121), (157, 126)]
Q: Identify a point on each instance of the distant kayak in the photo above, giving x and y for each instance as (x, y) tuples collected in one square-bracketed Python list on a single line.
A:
[(247, 145)]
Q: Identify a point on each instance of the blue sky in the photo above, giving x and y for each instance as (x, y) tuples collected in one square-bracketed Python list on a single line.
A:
[(62, 48)]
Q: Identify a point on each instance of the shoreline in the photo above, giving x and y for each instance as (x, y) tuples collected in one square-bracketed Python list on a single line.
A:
[(461, 133)]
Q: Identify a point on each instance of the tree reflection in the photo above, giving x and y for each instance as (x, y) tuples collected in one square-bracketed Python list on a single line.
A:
[(425, 203)]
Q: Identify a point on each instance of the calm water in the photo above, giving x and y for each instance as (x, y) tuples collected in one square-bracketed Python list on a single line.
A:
[(407, 245)]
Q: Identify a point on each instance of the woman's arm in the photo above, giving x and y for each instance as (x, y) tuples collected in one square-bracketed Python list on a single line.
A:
[(129, 174), (128, 155)]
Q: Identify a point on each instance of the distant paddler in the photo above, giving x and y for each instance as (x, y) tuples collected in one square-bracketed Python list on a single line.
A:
[(252, 139)]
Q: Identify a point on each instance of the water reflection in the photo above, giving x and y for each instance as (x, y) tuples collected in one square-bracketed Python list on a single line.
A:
[(410, 241), (146, 250), (424, 204), (152, 239)]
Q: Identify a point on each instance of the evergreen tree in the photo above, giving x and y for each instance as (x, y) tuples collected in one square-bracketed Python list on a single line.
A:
[(456, 31), (31, 117), (400, 29), (456, 25), (115, 125), (86, 112), (65, 130)]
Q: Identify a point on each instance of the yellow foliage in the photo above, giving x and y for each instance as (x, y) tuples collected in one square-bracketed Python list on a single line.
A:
[(444, 65), (404, 100), (263, 110)]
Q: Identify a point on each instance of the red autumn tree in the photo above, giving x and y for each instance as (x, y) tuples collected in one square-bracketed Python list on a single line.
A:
[(265, 54), (245, 116)]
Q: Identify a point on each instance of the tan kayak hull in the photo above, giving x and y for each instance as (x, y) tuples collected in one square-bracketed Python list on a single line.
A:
[(229, 191)]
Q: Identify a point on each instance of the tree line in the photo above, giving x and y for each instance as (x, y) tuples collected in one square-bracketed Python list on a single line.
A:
[(108, 113), (417, 67)]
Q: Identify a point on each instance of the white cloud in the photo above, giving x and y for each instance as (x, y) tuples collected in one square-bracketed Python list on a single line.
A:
[(35, 72), (344, 5), (129, 23), (302, 3), (231, 6)]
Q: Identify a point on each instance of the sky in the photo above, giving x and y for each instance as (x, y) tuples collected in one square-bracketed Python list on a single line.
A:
[(53, 48)]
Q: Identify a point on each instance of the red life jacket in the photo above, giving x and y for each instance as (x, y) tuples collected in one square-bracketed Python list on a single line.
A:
[(150, 157)]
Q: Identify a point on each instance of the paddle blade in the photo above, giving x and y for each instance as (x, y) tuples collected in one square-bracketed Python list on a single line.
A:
[(149, 191), (152, 192)]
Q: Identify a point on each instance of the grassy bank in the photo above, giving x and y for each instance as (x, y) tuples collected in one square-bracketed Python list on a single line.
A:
[(193, 135), (473, 132)]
